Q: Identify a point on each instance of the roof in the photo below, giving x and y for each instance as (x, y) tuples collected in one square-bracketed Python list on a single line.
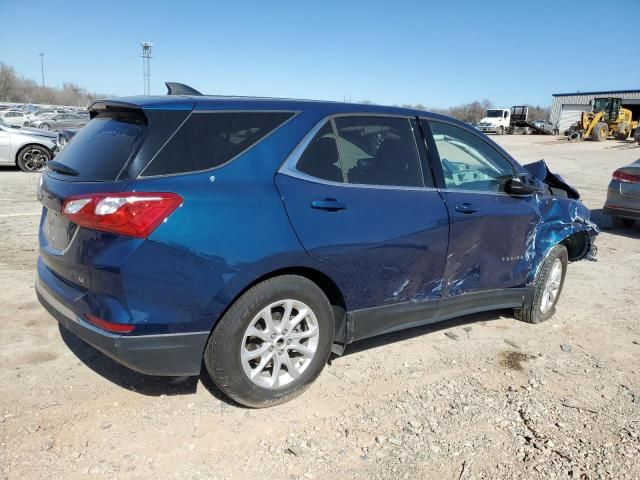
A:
[(605, 92), (219, 102)]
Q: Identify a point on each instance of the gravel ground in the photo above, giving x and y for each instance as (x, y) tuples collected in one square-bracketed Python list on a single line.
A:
[(481, 397)]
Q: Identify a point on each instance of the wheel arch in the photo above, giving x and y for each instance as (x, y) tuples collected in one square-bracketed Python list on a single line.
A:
[(577, 245), (322, 280)]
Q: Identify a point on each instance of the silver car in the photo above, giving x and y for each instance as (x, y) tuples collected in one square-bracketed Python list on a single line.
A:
[(623, 196), (63, 120), (29, 149)]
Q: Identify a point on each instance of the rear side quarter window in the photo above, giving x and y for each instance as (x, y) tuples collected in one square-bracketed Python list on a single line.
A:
[(207, 140)]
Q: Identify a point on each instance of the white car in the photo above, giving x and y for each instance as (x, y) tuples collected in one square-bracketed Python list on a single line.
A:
[(28, 149), (35, 115), (15, 118)]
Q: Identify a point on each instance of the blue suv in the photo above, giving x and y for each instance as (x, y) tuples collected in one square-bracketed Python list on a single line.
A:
[(255, 236)]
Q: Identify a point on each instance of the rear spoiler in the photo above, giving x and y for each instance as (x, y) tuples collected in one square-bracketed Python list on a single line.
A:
[(124, 108), (174, 88)]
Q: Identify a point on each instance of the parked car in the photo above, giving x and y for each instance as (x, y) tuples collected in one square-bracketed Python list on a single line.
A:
[(57, 121), (15, 118), (545, 125), (41, 111), (258, 235), (636, 135), (29, 150), (64, 135), (623, 196)]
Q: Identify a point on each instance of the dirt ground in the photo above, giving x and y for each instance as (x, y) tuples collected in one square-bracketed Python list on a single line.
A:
[(497, 399)]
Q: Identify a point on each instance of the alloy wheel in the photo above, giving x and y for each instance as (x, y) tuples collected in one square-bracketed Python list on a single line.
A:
[(279, 343), (35, 159), (552, 287)]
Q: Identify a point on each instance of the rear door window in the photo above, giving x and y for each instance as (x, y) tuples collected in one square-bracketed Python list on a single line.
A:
[(379, 151), (208, 140)]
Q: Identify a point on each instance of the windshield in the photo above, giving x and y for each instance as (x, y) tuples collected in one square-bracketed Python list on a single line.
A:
[(600, 104), (494, 113)]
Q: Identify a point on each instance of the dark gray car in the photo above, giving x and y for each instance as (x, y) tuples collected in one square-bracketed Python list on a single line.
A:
[(623, 196), (63, 120)]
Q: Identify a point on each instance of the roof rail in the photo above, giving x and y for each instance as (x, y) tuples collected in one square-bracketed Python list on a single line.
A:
[(174, 88)]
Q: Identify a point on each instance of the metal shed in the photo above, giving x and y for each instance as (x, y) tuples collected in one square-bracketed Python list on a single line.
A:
[(567, 107)]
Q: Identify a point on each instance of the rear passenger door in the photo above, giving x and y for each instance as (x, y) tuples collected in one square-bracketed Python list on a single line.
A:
[(359, 202)]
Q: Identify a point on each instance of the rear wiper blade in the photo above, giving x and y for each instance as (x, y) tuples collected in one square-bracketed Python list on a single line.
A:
[(61, 168)]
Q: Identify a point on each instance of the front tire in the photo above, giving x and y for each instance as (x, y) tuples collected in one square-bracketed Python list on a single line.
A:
[(272, 343), (600, 132), (548, 287), (500, 131), (33, 158)]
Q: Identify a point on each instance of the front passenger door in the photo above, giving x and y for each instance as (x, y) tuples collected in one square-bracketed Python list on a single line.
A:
[(491, 231)]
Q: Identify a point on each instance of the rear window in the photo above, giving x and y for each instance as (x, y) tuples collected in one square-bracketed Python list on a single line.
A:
[(208, 140), (103, 147)]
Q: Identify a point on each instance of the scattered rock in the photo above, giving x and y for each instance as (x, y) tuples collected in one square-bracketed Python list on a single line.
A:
[(512, 343), (395, 441), (48, 444), (452, 335), (104, 425), (295, 451), (565, 347)]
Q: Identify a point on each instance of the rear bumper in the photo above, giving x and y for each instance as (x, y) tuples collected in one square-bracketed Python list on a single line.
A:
[(623, 200), (174, 354)]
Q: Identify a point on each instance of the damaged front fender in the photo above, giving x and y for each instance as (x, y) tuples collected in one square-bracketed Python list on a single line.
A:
[(562, 219)]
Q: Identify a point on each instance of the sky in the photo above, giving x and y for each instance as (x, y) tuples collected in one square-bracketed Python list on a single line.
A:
[(437, 53)]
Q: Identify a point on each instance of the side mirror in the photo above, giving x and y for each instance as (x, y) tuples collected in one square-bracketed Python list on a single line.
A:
[(519, 186)]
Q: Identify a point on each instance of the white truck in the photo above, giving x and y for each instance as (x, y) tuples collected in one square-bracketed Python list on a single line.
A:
[(496, 120)]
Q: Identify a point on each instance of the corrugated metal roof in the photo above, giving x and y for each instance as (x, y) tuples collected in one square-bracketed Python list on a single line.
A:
[(594, 93)]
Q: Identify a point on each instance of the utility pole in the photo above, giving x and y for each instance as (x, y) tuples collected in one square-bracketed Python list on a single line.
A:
[(146, 72), (42, 67)]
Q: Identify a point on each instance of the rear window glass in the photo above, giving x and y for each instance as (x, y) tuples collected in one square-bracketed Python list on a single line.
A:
[(100, 150), (207, 140)]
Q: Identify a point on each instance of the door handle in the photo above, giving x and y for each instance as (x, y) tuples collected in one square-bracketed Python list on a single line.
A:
[(466, 208), (328, 204)]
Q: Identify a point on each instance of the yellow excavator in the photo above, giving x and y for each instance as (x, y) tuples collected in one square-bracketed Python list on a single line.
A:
[(607, 119)]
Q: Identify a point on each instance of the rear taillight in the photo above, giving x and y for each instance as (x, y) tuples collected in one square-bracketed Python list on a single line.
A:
[(625, 177), (135, 214)]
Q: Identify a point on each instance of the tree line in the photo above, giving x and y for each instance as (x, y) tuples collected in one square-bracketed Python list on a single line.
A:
[(474, 112), (15, 88)]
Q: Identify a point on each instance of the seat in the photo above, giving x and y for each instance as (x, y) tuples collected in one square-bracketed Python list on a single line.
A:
[(390, 166)]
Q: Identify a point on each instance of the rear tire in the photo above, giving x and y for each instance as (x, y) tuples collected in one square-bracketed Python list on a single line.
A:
[(621, 222), (230, 355), (547, 289), (600, 132)]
